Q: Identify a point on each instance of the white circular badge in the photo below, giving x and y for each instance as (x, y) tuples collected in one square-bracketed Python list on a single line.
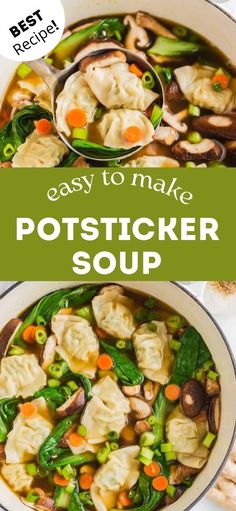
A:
[(30, 29)]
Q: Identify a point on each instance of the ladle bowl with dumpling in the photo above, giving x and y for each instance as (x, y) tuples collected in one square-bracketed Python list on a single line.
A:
[(107, 104)]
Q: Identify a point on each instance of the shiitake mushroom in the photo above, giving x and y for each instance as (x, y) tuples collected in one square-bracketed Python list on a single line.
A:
[(193, 398), (214, 415), (74, 404), (7, 335)]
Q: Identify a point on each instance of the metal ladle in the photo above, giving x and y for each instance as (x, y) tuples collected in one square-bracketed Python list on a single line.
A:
[(55, 80)]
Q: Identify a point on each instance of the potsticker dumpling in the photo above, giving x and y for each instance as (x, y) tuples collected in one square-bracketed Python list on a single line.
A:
[(120, 473), (76, 94), (17, 477), (152, 161), (186, 436), (40, 151), (21, 375), (77, 343), (114, 125), (151, 344), (196, 84), (114, 85), (114, 312), (107, 411), (28, 434)]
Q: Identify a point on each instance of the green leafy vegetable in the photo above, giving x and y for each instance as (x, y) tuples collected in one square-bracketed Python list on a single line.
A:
[(75, 502), (54, 396), (96, 150), (69, 160), (8, 412), (162, 408), (15, 132), (51, 304), (191, 356), (126, 370), (174, 47), (109, 27)]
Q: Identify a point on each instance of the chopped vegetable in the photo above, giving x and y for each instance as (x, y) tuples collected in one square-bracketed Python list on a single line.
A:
[(72, 385), (174, 323), (221, 80), (28, 410), (194, 110), (148, 80), (147, 453), (103, 453), (32, 496), (23, 71), (160, 483), (67, 472), (171, 491), (40, 335), (170, 456), (40, 321), (100, 333), (43, 127), (82, 430), (166, 448), (152, 420), (114, 446), (156, 116), (213, 375), (112, 436), (105, 362), (172, 392), (60, 480), (121, 345), (152, 470), (31, 469), (99, 113), (28, 334), (85, 313), (56, 371), (15, 350), (180, 31), (133, 134), (147, 439), (127, 372), (8, 150), (175, 345), (76, 440), (77, 118), (136, 70), (124, 500), (194, 137), (81, 133), (85, 481), (173, 47), (208, 365), (208, 440)]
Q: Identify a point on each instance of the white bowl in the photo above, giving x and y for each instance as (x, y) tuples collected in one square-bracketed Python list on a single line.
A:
[(22, 295)]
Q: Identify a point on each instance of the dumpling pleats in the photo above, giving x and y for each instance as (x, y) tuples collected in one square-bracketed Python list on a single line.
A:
[(17, 477), (40, 151), (114, 124), (21, 376), (114, 312)]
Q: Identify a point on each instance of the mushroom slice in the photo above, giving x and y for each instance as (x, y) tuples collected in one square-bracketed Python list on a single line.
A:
[(142, 427), (104, 60), (2, 453), (96, 46), (173, 92), (166, 135), (151, 390), (214, 415), (48, 353), (144, 20), (193, 398), (212, 387), (174, 121), (223, 126), (179, 492), (74, 404), (140, 408), (7, 335), (206, 150), (231, 148), (43, 503), (137, 37), (133, 390), (178, 473), (112, 287)]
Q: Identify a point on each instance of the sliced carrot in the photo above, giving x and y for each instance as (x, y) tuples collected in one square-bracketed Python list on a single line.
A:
[(86, 481), (105, 362), (28, 334), (136, 70), (152, 470), (28, 410), (59, 480), (133, 134), (222, 80), (172, 392), (76, 440), (124, 500), (160, 483), (43, 127), (77, 118), (100, 333)]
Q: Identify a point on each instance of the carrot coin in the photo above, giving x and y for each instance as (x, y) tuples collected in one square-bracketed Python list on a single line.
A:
[(172, 392), (152, 470), (105, 362), (43, 127), (59, 480), (28, 410), (86, 481), (133, 134), (28, 334), (76, 440), (160, 483), (77, 118)]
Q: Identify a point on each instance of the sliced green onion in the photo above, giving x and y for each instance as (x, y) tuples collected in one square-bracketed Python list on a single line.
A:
[(80, 133), (72, 385), (68, 472), (70, 488), (114, 446), (9, 150), (188, 482), (147, 439), (99, 113), (82, 430), (175, 322), (190, 164), (141, 316), (103, 453), (199, 375), (166, 448), (194, 111), (151, 302), (208, 365), (147, 453), (15, 350), (144, 461), (156, 116), (41, 336), (152, 420), (213, 375), (148, 80), (67, 391), (56, 371), (32, 497), (85, 313), (118, 35), (153, 316), (58, 357), (121, 345), (49, 60), (180, 31), (42, 472), (175, 345), (171, 491), (112, 436), (170, 456), (208, 440), (168, 74), (157, 453), (194, 137), (23, 71), (152, 327), (31, 469), (40, 321)]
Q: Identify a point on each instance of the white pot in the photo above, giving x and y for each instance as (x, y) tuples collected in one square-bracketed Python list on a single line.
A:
[(200, 15), (24, 294)]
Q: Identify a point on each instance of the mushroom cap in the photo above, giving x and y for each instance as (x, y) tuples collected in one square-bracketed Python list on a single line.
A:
[(193, 398), (137, 36), (206, 150), (7, 335), (223, 126), (214, 415), (103, 60), (140, 408), (74, 404)]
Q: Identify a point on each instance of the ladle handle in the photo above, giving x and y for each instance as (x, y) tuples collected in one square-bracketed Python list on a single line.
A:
[(48, 73)]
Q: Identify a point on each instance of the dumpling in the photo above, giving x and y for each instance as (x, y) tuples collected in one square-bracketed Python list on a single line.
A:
[(28, 434), (153, 353), (115, 123), (40, 151), (17, 477), (196, 84), (153, 161), (76, 94), (121, 472), (114, 85), (78, 344), (21, 376), (107, 411), (114, 312), (186, 436)]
